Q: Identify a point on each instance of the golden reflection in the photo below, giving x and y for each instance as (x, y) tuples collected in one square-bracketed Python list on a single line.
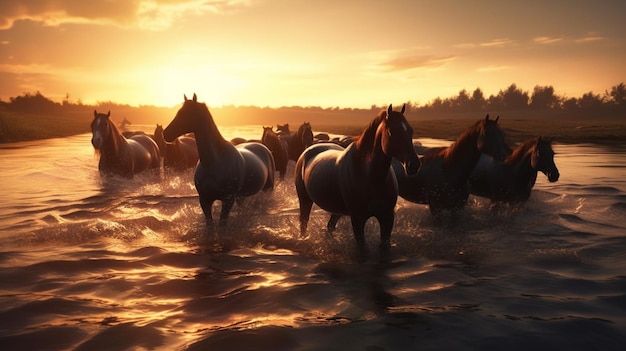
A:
[(271, 279)]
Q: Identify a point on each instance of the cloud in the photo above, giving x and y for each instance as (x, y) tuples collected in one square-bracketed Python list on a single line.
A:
[(547, 40), (589, 38), (497, 42), (145, 14), (407, 62)]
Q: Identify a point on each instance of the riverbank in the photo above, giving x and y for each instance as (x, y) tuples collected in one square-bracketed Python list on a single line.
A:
[(603, 132), (16, 127)]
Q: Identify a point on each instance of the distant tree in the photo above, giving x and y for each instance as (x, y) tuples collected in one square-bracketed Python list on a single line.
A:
[(543, 98), (33, 103), (590, 101), (618, 94), (514, 98), (570, 104), (478, 102), (461, 102), (496, 102)]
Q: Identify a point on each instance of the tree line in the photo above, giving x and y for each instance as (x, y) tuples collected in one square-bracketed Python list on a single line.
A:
[(612, 103), (542, 98)]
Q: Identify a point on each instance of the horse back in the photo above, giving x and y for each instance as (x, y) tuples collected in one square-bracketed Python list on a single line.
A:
[(317, 172), (259, 168), (152, 156)]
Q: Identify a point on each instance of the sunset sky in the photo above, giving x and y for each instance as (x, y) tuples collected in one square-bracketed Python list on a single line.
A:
[(351, 53)]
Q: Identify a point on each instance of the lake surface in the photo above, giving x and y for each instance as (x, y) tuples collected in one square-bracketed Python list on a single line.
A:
[(88, 263)]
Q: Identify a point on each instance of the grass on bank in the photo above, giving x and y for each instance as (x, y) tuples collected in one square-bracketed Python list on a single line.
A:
[(16, 127)]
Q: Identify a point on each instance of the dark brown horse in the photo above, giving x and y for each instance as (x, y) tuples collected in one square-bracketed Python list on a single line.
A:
[(279, 148), (442, 179), (297, 141), (225, 172), (511, 181), (119, 155), (180, 154), (358, 181)]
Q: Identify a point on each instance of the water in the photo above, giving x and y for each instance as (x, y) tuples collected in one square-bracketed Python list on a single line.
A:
[(111, 264)]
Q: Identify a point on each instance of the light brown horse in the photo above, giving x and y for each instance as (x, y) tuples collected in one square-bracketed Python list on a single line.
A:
[(358, 181), (119, 155), (180, 154), (225, 172)]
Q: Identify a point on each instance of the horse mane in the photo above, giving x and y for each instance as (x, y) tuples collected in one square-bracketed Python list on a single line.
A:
[(450, 154), (202, 109), (521, 150), (368, 136)]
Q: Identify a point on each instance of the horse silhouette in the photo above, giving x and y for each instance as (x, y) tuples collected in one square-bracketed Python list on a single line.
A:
[(511, 181), (180, 154), (225, 172), (279, 148), (442, 179), (358, 181), (297, 141), (120, 155)]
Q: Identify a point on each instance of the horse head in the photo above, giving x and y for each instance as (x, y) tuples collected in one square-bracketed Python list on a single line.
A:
[(543, 159), (283, 129), (305, 133), (100, 129), (397, 140), (187, 119), (491, 139)]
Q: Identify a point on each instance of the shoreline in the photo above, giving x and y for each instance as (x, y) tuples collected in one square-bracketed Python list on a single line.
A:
[(601, 132), (575, 131)]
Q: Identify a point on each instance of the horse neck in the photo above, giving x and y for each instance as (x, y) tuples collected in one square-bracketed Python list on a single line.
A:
[(210, 141), (160, 140), (520, 165), (371, 153), (116, 143), (464, 151)]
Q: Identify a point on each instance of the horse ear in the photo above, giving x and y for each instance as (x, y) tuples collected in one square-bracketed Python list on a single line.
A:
[(497, 118), (487, 117), (109, 114), (95, 113), (185, 96), (195, 98), (389, 110), (403, 108)]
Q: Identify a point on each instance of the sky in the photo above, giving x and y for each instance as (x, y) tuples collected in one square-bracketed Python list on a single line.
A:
[(328, 53)]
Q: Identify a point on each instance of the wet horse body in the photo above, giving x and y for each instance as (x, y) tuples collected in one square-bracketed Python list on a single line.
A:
[(120, 155), (357, 181), (225, 172), (279, 148), (182, 153), (511, 181), (441, 182)]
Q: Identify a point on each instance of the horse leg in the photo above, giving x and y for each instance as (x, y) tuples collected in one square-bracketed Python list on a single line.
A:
[(386, 226), (207, 207), (358, 227), (227, 205), (332, 222), (305, 212)]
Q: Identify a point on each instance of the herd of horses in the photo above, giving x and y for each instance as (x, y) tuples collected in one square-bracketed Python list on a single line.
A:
[(359, 177)]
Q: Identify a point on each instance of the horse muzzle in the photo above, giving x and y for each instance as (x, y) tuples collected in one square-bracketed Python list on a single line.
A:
[(411, 167), (553, 176), (96, 142)]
